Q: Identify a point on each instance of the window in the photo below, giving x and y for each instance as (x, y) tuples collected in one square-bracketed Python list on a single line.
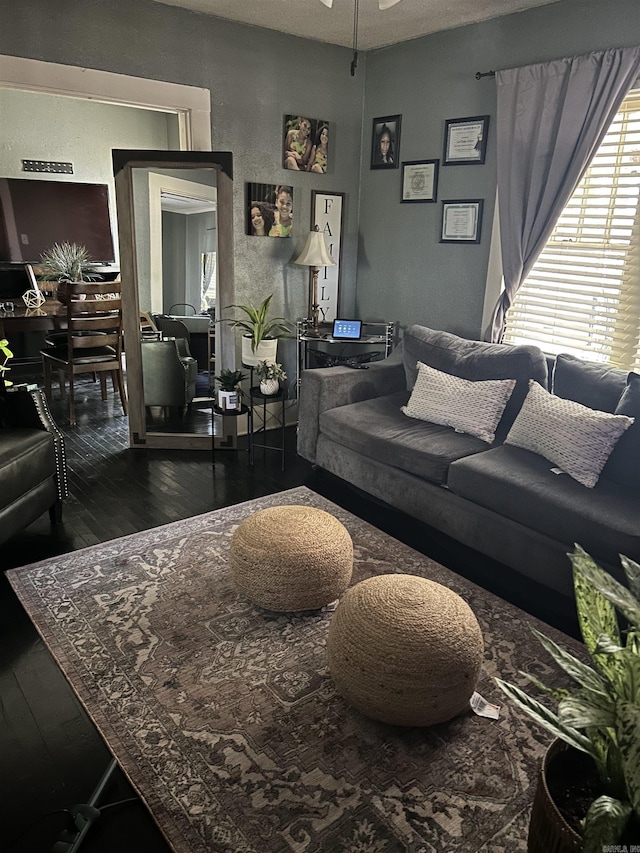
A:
[(583, 294)]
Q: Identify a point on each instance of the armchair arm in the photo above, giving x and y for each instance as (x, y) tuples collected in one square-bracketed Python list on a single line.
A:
[(29, 409), (327, 388)]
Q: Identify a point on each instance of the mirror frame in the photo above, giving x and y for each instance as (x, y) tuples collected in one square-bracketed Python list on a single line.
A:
[(124, 162)]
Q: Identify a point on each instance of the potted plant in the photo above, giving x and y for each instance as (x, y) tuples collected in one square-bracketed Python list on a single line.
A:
[(229, 392), (600, 717), (261, 332), (5, 355), (66, 263), (269, 373)]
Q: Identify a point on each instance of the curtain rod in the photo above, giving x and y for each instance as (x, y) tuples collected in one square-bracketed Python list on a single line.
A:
[(481, 74)]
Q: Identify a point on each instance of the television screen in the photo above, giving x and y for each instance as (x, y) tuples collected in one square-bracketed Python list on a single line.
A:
[(36, 214)]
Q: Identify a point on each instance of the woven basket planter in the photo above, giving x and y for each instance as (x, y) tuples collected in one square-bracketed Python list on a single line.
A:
[(548, 830), (290, 558), (405, 650)]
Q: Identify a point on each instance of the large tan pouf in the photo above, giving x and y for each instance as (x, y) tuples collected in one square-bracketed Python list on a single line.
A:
[(405, 650), (291, 558)]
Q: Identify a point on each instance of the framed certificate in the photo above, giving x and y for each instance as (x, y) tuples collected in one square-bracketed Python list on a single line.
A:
[(465, 141), (327, 213), (419, 181), (461, 221)]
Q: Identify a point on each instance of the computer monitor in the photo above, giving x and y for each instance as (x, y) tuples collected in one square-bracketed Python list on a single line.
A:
[(347, 330)]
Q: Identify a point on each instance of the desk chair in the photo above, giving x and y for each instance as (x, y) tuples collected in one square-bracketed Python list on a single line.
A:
[(93, 339)]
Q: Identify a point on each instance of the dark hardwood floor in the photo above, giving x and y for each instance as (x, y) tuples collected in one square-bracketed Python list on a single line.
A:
[(51, 756)]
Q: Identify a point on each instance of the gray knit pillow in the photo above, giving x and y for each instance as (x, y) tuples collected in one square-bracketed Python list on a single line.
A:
[(471, 407), (575, 438)]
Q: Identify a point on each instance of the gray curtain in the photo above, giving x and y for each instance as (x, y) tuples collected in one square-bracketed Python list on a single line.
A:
[(551, 119)]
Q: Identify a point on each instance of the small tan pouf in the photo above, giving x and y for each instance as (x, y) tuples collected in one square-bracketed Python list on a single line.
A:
[(405, 650), (289, 558)]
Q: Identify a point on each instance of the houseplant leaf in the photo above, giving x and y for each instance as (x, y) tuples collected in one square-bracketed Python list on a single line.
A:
[(604, 823), (627, 730), (579, 671), (546, 718), (632, 572), (586, 708), (615, 593)]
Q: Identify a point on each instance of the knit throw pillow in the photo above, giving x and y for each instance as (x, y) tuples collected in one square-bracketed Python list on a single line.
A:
[(577, 439), (471, 407)]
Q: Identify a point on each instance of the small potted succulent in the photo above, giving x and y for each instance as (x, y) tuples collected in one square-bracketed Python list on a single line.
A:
[(598, 719), (229, 392), (270, 374)]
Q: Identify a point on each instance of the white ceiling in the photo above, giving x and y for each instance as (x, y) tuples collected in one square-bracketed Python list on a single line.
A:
[(313, 20)]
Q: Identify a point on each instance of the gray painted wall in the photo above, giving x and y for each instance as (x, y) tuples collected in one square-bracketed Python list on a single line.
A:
[(256, 76), (404, 273)]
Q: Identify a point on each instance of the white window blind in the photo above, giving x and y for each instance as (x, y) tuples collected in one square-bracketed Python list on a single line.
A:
[(583, 294)]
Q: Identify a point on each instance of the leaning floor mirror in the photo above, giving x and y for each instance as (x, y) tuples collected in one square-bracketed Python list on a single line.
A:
[(175, 224)]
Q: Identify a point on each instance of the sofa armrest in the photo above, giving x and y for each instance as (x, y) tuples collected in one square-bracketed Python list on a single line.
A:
[(29, 409), (325, 388)]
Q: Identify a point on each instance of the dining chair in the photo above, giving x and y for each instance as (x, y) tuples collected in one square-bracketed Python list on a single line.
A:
[(93, 339)]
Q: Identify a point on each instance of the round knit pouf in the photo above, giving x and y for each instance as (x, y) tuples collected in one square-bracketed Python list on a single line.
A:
[(405, 650), (289, 558)]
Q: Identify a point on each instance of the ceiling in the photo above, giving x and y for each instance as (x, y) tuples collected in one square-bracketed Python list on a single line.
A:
[(313, 20)]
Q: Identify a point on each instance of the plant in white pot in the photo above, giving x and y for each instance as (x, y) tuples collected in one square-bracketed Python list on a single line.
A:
[(600, 717), (229, 392), (261, 332), (270, 375)]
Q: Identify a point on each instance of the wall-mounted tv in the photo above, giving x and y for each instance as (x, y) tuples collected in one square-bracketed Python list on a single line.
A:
[(36, 214)]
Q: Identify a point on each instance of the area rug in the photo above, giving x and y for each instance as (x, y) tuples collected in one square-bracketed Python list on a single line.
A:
[(225, 718)]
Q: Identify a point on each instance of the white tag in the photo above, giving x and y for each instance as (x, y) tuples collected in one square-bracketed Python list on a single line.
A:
[(556, 470), (483, 708)]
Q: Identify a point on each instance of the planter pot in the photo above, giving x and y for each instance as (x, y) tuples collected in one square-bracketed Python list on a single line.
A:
[(265, 351), (269, 386), (549, 832), (229, 400)]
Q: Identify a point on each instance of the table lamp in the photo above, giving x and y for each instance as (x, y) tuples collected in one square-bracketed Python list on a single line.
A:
[(315, 254)]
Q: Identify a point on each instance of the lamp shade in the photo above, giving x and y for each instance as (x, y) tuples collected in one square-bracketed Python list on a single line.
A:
[(315, 252)]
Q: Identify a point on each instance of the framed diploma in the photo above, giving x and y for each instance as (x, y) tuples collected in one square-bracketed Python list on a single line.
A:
[(419, 181), (465, 141), (327, 213), (461, 221)]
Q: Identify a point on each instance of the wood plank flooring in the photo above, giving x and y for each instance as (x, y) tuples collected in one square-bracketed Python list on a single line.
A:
[(51, 756)]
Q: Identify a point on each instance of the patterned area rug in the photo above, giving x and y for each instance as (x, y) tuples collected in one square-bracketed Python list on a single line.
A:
[(225, 718)]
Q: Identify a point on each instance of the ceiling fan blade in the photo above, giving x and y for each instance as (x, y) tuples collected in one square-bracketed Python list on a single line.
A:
[(328, 3), (385, 4)]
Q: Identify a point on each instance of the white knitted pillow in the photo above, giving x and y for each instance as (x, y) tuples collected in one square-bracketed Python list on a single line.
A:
[(577, 439), (472, 407)]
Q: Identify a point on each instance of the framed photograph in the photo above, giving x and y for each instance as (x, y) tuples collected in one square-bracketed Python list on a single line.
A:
[(327, 212), (465, 141), (419, 181), (385, 142), (269, 210), (461, 221), (306, 144)]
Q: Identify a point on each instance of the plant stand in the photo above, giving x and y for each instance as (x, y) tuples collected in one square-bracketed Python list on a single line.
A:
[(258, 405)]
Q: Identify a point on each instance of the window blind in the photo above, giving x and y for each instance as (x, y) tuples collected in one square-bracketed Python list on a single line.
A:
[(583, 294)]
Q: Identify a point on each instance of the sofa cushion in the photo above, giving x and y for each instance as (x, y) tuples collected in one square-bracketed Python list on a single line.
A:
[(576, 438), (597, 386), (471, 407), (27, 458), (623, 466), (475, 360), (521, 486), (378, 430)]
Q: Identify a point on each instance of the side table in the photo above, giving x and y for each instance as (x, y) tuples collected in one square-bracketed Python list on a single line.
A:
[(258, 405), (228, 413)]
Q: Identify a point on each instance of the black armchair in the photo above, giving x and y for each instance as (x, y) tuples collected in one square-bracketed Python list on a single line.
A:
[(33, 470), (169, 373)]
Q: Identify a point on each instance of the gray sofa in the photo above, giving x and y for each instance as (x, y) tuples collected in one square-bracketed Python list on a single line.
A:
[(502, 500)]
